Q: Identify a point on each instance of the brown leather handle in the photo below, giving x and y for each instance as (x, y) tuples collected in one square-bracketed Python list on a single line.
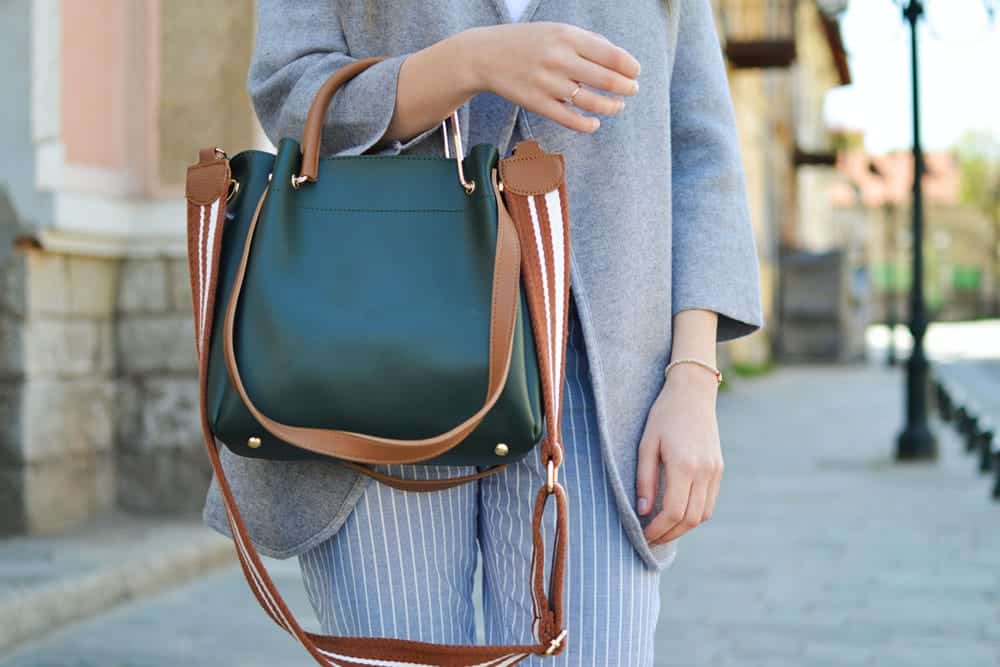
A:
[(312, 133), (373, 449)]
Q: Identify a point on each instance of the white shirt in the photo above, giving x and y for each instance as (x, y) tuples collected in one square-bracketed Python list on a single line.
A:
[(516, 7)]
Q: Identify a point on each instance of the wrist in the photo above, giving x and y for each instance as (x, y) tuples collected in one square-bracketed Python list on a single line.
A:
[(692, 377), (467, 52)]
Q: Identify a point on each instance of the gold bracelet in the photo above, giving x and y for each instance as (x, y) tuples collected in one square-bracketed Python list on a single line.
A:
[(697, 362)]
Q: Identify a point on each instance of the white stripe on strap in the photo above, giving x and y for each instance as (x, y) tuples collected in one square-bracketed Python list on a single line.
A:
[(540, 245), (503, 661), (202, 288), (257, 580), (554, 208), (213, 225)]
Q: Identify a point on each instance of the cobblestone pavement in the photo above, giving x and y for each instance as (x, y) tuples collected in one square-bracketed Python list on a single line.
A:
[(823, 552)]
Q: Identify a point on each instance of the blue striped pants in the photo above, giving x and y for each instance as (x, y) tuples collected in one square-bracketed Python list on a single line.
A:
[(403, 563)]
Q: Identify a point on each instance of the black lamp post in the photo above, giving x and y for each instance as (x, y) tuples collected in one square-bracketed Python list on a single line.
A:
[(916, 441), (889, 212)]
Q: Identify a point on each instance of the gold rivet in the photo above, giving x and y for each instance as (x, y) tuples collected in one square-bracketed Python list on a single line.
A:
[(501, 449), (253, 443)]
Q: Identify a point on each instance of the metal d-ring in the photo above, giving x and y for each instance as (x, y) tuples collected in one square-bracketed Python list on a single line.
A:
[(470, 186)]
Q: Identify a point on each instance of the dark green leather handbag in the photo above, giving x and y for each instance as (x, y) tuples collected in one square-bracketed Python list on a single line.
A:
[(384, 309)]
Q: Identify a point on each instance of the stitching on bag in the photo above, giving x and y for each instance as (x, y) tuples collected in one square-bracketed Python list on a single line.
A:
[(383, 210), (387, 157)]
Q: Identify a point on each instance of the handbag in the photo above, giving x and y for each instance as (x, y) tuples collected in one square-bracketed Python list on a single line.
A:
[(385, 309)]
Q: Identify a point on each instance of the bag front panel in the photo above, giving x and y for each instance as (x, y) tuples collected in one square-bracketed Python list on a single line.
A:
[(366, 307)]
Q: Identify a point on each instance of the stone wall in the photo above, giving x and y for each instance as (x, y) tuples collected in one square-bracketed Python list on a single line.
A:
[(57, 383), (161, 466), (98, 388)]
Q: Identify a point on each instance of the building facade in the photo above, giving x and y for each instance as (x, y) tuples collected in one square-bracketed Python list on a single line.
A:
[(784, 56), (107, 102)]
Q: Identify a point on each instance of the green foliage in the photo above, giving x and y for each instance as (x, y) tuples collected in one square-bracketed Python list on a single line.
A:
[(751, 370), (966, 278), (979, 160)]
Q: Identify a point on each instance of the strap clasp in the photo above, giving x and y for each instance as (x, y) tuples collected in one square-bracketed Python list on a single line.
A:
[(555, 642)]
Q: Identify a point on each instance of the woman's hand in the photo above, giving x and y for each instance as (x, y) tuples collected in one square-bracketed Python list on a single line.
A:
[(681, 433), (538, 65), (535, 65)]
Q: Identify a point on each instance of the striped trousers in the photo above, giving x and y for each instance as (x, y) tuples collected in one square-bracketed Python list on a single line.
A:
[(403, 563)]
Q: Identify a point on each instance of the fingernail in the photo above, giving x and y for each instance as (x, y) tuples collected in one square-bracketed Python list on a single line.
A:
[(621, 105), (596, 122), (635, 87), (643, 505)]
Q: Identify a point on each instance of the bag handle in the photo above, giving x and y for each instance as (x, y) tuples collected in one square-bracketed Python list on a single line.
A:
[(313, 131), (374, 449)]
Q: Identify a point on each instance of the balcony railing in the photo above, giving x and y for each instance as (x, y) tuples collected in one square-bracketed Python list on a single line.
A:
[(759, 33)]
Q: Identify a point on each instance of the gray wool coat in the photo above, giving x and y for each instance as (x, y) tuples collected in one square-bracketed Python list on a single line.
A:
[(657, 206)]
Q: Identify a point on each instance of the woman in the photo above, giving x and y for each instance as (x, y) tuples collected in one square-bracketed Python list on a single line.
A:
[(663, 265)]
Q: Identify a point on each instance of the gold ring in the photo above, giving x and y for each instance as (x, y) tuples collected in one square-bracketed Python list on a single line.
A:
[(569, 100)]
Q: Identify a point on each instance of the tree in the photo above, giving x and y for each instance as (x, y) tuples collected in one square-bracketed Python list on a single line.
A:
[(979, 160)]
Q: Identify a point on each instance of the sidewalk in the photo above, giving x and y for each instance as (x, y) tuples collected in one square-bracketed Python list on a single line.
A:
[(823, 550), (823, 553), (48, 582)]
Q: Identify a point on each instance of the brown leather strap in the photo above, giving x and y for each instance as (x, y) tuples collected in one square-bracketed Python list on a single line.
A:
[(423, 484), (538, 205), (206, 216), (313, 130), (373, 449)]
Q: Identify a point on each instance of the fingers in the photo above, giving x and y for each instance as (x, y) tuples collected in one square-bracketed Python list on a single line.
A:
[(692, 516), (647, 473), (588, 100), (692, 488), (598, 49), (601, 78), (678, 490), (560, 89), (713, 494), (574, 55), (564, 115)]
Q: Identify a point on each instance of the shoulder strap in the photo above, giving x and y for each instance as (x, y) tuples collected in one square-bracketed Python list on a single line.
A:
[(537, 205)]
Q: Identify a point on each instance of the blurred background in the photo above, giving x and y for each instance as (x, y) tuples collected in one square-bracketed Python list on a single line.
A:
[(859, 522)]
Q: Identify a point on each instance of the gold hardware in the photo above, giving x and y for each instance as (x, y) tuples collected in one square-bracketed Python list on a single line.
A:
[(221, 154), (234, 187), (554, 644), (297, 181), (551, 478), (569, 100), (501, 449), (456, 135), (253, 443), (697, 362)]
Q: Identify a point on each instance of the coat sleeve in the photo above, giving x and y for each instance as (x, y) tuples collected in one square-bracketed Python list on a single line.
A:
[(715, 265), (299, 45)]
